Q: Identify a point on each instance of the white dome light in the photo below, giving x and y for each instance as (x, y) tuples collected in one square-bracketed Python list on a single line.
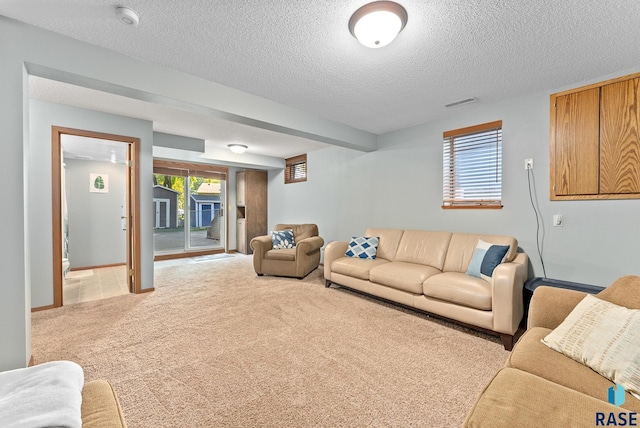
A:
[(237, 148), (376, 24)]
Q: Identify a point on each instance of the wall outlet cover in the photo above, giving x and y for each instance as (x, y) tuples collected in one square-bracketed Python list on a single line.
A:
[(528, 163)]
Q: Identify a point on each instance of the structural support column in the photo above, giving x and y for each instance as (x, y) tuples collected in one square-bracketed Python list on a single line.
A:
[(15, 287)]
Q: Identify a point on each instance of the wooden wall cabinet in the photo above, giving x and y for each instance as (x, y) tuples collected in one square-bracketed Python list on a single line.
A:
[(241, 186), (251, 209), (595, 141)]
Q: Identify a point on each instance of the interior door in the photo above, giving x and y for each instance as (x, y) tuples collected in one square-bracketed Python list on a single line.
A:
[(131, 218)]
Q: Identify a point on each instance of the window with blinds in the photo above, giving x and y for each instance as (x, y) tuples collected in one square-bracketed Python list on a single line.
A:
[(295, 169), (472, 167)]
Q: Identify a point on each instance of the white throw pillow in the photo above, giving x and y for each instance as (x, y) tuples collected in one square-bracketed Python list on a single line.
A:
[(604, 337)]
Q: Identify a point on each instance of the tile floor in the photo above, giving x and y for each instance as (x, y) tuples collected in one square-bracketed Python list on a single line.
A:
[(93, 284)]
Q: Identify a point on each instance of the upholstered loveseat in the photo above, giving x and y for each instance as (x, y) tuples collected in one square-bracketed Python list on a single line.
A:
[(297, 261), (427, 270), (541, 387)]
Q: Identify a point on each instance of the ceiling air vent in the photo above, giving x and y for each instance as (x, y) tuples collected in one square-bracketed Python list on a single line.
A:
[(461, 102)]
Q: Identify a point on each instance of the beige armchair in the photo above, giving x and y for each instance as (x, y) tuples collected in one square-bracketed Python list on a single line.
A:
[(293, 262)]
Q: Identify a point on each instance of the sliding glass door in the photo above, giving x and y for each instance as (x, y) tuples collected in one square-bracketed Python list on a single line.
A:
[(189, 208)]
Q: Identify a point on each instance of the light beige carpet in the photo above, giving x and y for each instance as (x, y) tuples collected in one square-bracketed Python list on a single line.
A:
[(217, 346)]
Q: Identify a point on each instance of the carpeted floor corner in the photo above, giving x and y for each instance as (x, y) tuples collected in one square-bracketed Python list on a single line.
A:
[(217, 346)]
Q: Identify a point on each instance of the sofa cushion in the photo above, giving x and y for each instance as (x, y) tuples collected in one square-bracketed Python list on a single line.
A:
[(281, 239), (287, 254), (402, 276), (423, 247), (388, 243), (532, 356), (362, 247), (485, 259), (463, 245), (357, 268), (603, 336), (460, 289), (515, 398)]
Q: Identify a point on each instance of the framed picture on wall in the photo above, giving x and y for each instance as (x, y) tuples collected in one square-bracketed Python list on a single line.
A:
[(98, 183)]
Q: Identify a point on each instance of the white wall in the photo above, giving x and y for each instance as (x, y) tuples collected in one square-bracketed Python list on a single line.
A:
[(44, 115), (96, 237), (400, 185)]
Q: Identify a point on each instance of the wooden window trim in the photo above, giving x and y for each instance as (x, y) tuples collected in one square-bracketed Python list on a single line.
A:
[(184, 169), (473, 129), (290, 163)]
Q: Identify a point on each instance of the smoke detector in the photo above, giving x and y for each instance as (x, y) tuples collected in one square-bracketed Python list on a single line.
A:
[(127, 16)]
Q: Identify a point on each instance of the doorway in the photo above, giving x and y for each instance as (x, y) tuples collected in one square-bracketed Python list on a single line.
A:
[(189, 201), (121, 222)]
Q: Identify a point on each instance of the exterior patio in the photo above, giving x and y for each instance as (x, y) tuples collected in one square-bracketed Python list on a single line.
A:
[(165, 240)]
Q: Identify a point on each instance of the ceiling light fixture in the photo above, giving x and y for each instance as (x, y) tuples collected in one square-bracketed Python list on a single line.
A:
[(376, 24), (127, 16), (237, 148)]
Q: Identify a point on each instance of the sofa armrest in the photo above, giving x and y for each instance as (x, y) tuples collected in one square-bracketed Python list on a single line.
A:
[(507, 284), (100, 406), (260, 245), (308, 245), (334, 250), (550, 306)]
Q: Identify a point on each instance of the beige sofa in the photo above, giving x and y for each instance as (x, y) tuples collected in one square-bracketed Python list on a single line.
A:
[(539, 387), (425, 270), (100, 406), (293, 262)]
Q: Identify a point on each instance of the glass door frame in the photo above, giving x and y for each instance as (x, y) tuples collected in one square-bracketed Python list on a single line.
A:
[(187, 170)]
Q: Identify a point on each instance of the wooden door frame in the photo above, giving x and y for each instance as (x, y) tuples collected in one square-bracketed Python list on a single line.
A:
[(133, 205)]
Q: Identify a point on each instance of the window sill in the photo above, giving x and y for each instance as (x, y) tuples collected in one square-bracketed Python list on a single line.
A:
[(472, 207)]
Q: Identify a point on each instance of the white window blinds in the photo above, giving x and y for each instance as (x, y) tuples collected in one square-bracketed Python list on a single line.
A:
[(472, 167), (295, 169)]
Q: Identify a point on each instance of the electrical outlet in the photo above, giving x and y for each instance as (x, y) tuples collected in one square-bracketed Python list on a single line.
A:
[(528, 163), (558, 220)]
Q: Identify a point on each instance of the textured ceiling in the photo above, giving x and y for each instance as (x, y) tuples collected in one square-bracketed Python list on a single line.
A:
[(301, 53)]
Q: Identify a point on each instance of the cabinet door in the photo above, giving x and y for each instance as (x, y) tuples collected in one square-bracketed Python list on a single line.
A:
[(576, 151), (241, 229), (619, 143), (241, 189)]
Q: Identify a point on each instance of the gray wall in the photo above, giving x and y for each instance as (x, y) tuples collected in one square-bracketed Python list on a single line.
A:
[(161, 139), (96, 237), (43, 115), (26, 49), (400, 185)]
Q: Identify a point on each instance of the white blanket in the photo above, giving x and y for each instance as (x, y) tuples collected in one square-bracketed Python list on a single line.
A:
[(46, 395)]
